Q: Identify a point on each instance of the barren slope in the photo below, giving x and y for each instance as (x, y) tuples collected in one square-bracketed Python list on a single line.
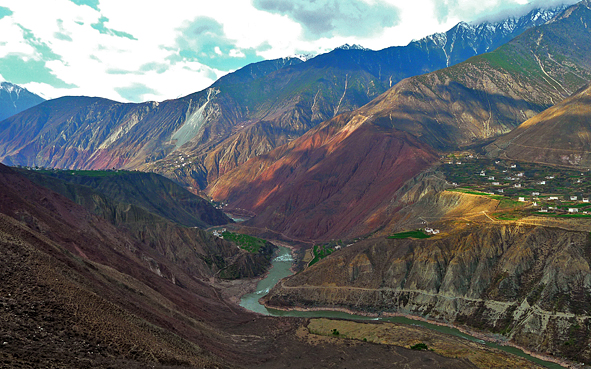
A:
[(559, 135)]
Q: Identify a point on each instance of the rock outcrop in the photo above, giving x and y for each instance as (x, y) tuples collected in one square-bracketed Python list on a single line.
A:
[(532, 285)]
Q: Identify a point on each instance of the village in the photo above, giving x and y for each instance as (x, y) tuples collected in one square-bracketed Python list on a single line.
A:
[(541, 189)]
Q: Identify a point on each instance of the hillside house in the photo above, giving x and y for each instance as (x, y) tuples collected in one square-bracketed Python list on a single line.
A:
[(585, 199), (543, 210), (496, 184), (491, 178), (513, 166), (517, 185), (483, 173), (522, 199), (574, 198), (573, 210), (549, 177), (553, 198), (500, 190), (519, 174), (535, 194), (542, 182)]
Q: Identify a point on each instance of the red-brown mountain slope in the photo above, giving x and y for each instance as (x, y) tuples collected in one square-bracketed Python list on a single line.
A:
[(337, 180)]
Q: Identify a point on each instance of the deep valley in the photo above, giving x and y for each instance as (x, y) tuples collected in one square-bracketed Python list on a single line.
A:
[(417, 206)]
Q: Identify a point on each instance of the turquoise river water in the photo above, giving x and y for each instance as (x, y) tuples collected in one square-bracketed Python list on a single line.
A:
[(281, 265)]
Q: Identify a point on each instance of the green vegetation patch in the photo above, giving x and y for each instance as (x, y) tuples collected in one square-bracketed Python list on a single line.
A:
[(419, 233), (419, 346), (244, 241), (83, 173), (320, 252), (468, 191), (575, 215), (507, 216)]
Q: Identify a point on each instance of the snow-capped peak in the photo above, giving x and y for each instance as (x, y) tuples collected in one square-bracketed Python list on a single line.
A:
[(302, 57), (351, 47)]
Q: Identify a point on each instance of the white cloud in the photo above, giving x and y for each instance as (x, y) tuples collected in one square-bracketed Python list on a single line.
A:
[(137, 49)]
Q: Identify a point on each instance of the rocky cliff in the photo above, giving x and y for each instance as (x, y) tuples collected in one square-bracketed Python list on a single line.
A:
[(530, 285)]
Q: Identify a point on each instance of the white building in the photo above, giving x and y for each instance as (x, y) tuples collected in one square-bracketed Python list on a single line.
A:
[(517, 185), (585, 199), (535, 194), (573, 210), (522, 199), (553, 198), (573, 198), (496, 184)]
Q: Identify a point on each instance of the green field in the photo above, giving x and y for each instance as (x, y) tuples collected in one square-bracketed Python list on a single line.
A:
[(320, 252), (244, 241), (410, 234), (83, 173)]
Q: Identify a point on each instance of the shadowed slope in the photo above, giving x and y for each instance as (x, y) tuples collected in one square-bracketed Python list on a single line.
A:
[(560, 135)]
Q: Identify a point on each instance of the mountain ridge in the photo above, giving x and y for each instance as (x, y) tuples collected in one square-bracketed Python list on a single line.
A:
[(244, 114)]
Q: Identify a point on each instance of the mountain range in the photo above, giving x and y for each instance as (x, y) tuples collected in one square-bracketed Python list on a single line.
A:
[(452, 108), (14, 99), (197, 138), (115, 268)]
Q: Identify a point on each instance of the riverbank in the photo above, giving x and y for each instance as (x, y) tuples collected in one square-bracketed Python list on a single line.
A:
[(469, 334)]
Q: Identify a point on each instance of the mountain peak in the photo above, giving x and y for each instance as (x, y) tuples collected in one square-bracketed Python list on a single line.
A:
[(351, 47), (14, 99)]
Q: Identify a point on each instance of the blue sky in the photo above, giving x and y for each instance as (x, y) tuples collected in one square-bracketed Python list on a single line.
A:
[(140, 50)]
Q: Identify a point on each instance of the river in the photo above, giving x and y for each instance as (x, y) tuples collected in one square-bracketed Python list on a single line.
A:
[(281, 268)]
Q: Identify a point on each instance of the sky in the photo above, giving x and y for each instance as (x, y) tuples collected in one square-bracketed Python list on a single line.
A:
[(146, 50)]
